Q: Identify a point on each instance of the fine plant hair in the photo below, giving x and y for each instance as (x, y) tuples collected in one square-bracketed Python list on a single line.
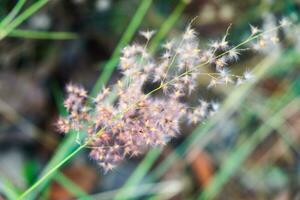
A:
[(138, 120)]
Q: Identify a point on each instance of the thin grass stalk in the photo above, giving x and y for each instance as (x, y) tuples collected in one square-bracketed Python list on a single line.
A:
[(63, 150), (70, 186), (138, 173), (22, 17), (145, 190), (50, 173), (167, 25), (125, 39), (42, 35), (12, 14)]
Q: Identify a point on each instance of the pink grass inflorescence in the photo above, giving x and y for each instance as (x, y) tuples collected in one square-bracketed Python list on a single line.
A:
[(137, 120)]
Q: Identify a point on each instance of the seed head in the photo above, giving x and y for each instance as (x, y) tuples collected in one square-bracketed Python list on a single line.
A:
[(136, 120)]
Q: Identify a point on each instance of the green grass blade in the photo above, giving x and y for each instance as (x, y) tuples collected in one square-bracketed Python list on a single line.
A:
[(125, 39), (43, 35), (142, 190), (30, 170), (70, 186), (138, 173), (63, 150), (49, 173), (167, 25), (22, 17), (8, 189), (12, 14)]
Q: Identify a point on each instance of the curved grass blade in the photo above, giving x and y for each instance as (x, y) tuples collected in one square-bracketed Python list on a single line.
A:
[(138, 173), (42, 35), (70, 186), (126, 37), (49, 173), (142, 190), (8, 189), (65, 149), (13, 13), (22, 17), (167, 25)]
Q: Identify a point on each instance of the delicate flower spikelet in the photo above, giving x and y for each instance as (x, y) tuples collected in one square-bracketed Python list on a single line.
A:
[(147, 34), (139, 120)]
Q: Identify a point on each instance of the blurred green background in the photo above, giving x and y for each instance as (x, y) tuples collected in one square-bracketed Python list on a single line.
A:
[(249, 150)]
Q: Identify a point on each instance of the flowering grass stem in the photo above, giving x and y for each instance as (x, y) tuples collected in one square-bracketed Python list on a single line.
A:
[(50, 172)]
